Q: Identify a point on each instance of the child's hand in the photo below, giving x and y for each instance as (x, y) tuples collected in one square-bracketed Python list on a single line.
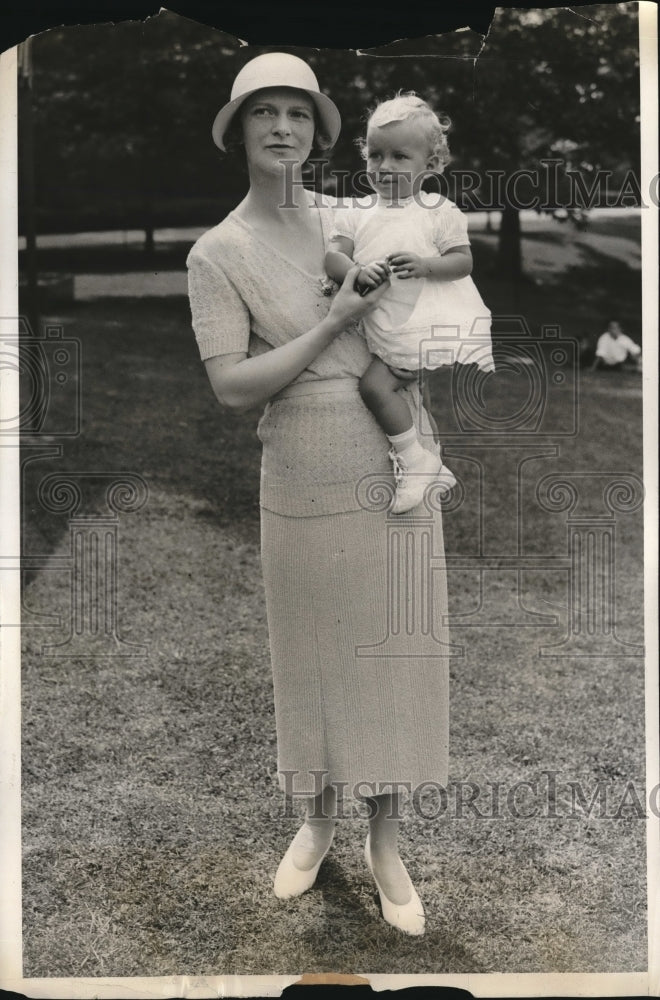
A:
[(372, 275), (408, 265)]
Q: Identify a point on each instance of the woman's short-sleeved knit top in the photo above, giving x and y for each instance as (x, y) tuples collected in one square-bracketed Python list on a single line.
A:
[(247, 297)]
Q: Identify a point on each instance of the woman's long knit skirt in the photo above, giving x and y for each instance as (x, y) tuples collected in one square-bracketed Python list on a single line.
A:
[(355, 604)]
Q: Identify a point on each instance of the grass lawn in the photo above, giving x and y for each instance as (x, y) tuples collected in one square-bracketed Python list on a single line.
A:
[(153, 824)]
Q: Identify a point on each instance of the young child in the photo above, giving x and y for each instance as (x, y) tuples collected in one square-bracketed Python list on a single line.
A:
[(432, 315)]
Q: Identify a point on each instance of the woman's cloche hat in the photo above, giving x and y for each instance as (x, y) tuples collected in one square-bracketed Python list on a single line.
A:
[(276, 69)]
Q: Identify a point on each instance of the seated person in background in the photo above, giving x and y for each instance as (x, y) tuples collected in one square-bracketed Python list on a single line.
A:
[(615, 350)]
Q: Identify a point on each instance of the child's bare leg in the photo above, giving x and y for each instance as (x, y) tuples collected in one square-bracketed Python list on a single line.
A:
[(415, 466), (379, 390), (426, 399)]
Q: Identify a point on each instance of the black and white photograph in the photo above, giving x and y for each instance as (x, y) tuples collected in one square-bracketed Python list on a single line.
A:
[(328, 575)]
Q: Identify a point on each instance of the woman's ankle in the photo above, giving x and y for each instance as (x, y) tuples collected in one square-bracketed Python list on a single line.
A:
[(325, 823)]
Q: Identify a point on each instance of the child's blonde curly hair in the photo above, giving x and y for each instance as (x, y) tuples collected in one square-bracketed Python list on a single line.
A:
[(407, 106)]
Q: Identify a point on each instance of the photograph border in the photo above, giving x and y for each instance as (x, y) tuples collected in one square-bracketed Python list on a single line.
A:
[(480, 985)]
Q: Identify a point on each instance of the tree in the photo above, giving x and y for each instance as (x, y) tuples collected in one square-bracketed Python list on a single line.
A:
[(123, 112), (555, 84), (122, 119)]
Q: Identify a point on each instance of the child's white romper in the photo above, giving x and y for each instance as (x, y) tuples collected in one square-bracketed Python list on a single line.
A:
[(419, 322)]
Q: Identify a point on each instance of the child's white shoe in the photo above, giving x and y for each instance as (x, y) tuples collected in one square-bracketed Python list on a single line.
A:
[(413, 478)]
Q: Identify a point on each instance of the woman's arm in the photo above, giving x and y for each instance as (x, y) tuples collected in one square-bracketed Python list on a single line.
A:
[(453, 264), (240, 382)]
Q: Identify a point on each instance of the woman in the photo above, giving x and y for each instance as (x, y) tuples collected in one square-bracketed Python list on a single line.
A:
[(352, 708)]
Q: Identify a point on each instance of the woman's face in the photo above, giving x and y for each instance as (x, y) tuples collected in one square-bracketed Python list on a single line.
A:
[(278, 124)]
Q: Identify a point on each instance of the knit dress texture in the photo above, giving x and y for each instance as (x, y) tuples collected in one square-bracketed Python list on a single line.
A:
[(356, 597)]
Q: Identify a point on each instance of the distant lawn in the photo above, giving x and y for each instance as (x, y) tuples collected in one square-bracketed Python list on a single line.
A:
[(172, 256), (620, 225), (152, 820), (581, 303), (627, 226), (583, 300)]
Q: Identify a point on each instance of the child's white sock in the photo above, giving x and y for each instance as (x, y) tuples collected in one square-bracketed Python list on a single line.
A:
[(407, 446)]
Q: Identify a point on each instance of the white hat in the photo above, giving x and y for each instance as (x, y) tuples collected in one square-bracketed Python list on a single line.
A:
[(276, 69)]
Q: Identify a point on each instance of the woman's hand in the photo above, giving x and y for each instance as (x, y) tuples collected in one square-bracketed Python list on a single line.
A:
[(348, 305), (241, 382)]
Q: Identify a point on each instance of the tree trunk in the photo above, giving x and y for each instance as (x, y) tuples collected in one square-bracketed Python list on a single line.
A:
[(147, 207), (509, 259), (149, 238)]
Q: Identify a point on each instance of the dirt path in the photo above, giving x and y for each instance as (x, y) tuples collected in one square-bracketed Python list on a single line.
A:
[(137, 284)]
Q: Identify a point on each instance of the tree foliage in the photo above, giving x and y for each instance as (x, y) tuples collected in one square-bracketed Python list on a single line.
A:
[(123, 112)]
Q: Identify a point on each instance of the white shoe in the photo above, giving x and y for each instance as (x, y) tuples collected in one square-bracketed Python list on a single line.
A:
[(291, 881), (407, 917), (412, 481)]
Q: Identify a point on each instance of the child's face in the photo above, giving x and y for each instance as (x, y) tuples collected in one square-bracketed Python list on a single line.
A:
[(397, 157)]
